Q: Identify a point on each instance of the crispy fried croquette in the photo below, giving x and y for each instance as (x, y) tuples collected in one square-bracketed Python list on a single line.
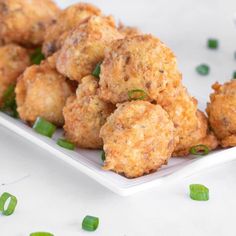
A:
[(67, 19), (139, 62), (84, 47), (14, 60), (85, 114), (42, 92), (222, 113), (138, 139), (25, 22)]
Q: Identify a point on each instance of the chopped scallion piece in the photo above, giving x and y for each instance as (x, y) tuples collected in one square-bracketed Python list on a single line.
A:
[(97, 70), (137, 94), (7, 210), (203, 69), (41, 234), (212, 43), (44, 127), (199, 192), (200, 149), (37, 56), (90, 223), (234, 75), (103, 156), (66, 144)]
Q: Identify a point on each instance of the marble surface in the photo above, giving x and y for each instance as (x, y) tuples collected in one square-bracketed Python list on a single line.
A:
[(55, 197)]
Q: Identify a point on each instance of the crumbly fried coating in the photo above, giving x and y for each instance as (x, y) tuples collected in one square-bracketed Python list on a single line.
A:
[(139, 62), (190, 123), (67, 19), (84, 47), (128, 31), (222, 112), (42, 92), (138, 139), (25, 22), (85, 114), (14, 60)]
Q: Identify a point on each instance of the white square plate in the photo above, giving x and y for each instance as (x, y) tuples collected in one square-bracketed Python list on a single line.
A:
[(89, 162)]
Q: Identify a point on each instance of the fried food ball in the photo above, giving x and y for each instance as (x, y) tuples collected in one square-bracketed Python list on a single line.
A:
[(139, 62), (190, 123), (14, 60), (128, 31), (24, 22), (138, 139), (66, 21), (42, 92), (84, 47), (222, 112), (85, 114)]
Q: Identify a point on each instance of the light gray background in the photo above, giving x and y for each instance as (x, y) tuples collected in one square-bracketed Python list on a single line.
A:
[(54, 197)]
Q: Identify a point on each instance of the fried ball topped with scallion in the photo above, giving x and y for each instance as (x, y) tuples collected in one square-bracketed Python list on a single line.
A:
[(85, 114), (67, 19), (85, 46), (221, 111), (138, 139), (25, 22), (42, 92)]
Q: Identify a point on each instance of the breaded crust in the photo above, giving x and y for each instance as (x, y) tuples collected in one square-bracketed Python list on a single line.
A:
[(67, 19), (85, 114), (138, 139), (42, 92), (222, 112), (25, 22)]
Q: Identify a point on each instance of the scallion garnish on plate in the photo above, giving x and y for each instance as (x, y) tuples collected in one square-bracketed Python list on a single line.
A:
[(41, 234), (199, 192), (200, 150), (234, 75), (90, 223), (212, 43), (203, 69), (97, 70), (103, 155), (10, 208), (44, 127), (37, 56), (137, 94), (66, 144)]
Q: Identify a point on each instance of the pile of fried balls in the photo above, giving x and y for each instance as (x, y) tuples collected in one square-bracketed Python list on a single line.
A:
[(134, 107)]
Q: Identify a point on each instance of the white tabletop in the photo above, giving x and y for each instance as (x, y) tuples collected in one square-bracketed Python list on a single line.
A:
[(55, 197)]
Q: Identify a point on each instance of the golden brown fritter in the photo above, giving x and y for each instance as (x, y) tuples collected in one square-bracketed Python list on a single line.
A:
[(84, 47), (139, 62), (24, 22), (138, 139), (13, 61), (128, 31), (66, 21), (222, 112), (190, 123), (42, 92), (85, 114)]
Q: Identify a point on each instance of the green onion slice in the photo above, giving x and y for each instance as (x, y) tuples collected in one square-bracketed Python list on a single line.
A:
[(137, 94), (199, 192), (90, 223), (212, 43), (234, 75), (66, 144), (97, 70), (7, 210), (41, 234), (9, 102), (37, 56), (44, 127), (200, 149), (103, 156), (203, 69)]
